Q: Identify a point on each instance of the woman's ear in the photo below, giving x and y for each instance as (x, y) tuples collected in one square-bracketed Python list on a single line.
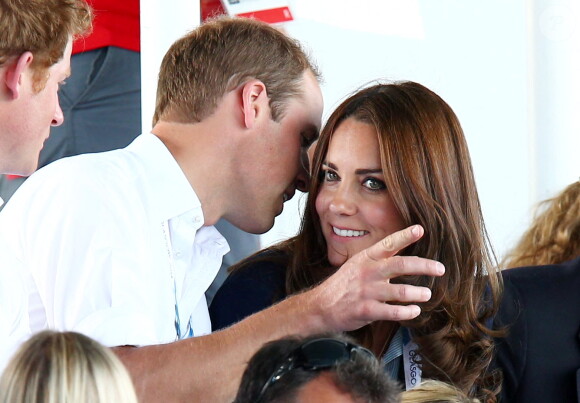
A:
[(14, 72), (254, 102)]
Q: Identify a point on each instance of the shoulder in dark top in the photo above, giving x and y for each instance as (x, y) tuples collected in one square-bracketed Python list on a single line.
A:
[(540, 356), (257, 285)]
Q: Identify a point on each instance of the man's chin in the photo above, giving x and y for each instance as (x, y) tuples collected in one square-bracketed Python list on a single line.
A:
[(255, 227), (24, 171)]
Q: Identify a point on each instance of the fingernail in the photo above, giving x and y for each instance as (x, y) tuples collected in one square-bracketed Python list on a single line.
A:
[(415, 230), (440, 268), (427, 294), (416, 311)]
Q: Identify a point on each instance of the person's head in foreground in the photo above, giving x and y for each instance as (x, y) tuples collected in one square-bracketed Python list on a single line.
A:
[(257, 93), (430, 391), (35, 49), (54, 367), (554, 235), (391, 156), (320, 368)]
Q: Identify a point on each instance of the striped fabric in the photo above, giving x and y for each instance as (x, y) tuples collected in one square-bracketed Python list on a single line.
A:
[(393, 358)]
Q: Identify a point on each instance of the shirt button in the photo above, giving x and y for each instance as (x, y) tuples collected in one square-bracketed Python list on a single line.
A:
[(178, 254)]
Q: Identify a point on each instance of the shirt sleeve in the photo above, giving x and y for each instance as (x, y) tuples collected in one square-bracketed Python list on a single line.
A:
[(14, 327), (80, 241)]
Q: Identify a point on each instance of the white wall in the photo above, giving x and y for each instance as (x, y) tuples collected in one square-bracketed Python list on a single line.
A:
[(513, 87), (509, 69), (555, 93), (162, 22)]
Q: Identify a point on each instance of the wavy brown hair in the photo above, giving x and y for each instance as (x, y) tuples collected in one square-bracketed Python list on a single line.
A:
[(427, 169), (554, 236)]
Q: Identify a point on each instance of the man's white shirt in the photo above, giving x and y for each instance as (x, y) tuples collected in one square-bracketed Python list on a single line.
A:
[(112, 245), (14, 327)]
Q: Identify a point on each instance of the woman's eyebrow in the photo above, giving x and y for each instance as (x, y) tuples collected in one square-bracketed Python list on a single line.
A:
[(361, 171), (368, 171)]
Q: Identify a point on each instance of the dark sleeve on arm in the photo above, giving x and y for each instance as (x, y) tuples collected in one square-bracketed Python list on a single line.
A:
[(510, 351), (246, 291), (540, 357)]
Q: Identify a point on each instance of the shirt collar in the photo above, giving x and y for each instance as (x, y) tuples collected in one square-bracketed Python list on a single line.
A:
[(393, 357), (172, 194), (395, 348)]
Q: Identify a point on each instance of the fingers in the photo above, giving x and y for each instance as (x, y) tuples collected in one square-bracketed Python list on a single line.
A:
[(398, 312), (392, 244), (361, 292), (387, 292), (381, 311), (409, 266)]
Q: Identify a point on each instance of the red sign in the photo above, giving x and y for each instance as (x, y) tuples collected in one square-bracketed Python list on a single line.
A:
[(271, 16)]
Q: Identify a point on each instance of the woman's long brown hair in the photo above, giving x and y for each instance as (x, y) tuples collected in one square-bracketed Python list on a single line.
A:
[(428, 173)]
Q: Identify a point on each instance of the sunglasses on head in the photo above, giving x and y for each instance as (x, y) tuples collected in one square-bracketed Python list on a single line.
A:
[(317, 355)]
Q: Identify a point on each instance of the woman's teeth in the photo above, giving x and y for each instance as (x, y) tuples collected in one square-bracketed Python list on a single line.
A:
[(348, 232)]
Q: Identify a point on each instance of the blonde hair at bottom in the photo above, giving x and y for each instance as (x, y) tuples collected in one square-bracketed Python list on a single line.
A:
[(431, 391), (53, 367)]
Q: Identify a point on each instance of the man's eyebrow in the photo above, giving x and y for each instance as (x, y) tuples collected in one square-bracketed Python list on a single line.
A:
[(312, 132), (316, 133)]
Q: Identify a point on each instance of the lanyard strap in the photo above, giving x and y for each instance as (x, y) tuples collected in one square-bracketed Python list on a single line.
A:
[(189, 330), (410, 356)]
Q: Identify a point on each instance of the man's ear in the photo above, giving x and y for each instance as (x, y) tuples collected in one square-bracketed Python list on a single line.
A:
[(254, 101), (14, 73)]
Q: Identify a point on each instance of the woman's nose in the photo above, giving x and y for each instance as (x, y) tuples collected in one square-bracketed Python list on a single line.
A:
[(342, 202)]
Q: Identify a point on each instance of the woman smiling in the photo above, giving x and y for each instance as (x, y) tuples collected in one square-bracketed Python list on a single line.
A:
[(391, 156)]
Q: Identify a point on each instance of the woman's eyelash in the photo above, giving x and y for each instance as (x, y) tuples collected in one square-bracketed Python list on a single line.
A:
[(324, 173), (380, 185)]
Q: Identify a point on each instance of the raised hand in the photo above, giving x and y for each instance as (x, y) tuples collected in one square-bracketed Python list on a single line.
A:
[(361, 291)]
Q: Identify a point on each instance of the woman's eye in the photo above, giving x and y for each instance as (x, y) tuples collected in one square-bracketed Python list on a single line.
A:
[(374, 184), (330, 176)]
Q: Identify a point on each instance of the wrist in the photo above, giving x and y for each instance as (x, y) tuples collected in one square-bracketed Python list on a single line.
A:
[(305, 314)]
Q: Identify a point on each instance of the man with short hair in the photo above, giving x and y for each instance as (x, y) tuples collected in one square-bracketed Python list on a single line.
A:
[(121, 245), (35, 47), (317, 368)]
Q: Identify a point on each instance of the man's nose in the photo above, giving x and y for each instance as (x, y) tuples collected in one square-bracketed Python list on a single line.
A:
[(58, 117), (303, 177)]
